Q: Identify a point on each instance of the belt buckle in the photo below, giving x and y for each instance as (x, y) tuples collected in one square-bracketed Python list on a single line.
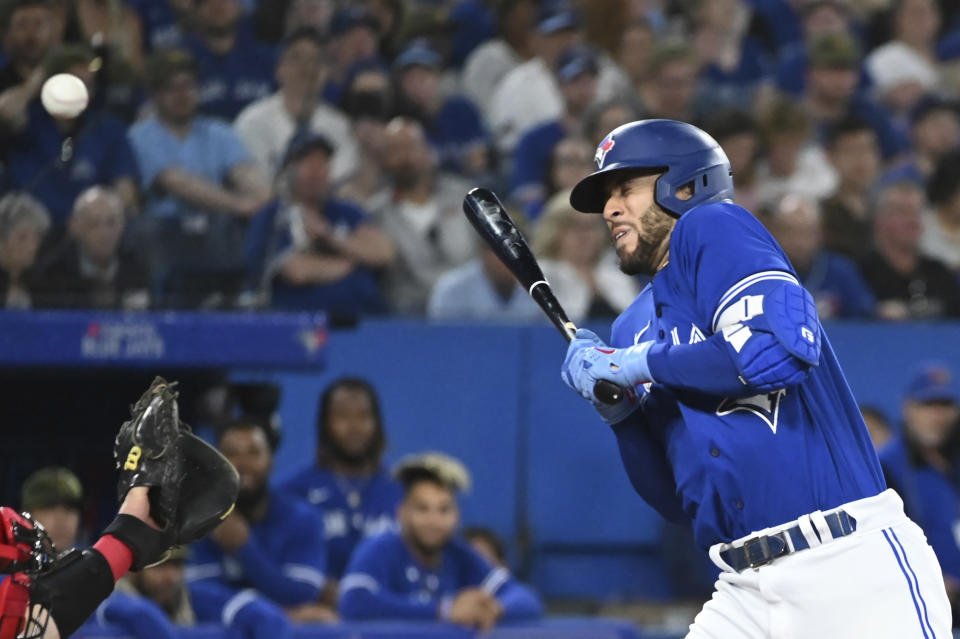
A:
[(765, 557)]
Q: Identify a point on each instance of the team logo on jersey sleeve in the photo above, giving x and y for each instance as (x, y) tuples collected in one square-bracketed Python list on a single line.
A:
[(602, 151), (765, 406)]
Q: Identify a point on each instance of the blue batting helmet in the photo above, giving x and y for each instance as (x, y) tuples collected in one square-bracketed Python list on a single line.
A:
[(685, 153)]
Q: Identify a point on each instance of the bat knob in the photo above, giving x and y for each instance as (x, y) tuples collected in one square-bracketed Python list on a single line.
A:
[(607, 392)]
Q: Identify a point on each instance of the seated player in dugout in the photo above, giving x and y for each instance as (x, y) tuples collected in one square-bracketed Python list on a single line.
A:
[(54, 498), (265, 563), (424, 572), (348, 483)]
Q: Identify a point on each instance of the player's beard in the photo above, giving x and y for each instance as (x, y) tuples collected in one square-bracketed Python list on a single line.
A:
[(647, 255), (249, 499), (351, 459)]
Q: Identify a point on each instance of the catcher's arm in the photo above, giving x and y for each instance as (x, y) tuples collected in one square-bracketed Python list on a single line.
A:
[(79, 581)]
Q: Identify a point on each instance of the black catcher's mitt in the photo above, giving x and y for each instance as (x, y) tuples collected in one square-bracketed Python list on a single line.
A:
[(192, 486)]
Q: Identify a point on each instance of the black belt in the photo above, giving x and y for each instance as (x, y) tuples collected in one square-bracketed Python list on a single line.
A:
[(759, 551)]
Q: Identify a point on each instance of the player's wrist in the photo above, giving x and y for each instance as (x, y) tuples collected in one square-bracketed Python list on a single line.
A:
[(636, 364)]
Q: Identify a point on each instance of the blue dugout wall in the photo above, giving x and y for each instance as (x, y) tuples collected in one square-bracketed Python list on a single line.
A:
[(546, 470)]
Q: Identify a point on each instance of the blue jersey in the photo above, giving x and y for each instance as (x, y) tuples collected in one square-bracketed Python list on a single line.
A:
[(385, 581), (41, 160), (231, 81), (931, 498), (732, 465), (352, 509), (284, 559)]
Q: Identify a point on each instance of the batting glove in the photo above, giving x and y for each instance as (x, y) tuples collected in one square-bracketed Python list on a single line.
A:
[(589, 359)]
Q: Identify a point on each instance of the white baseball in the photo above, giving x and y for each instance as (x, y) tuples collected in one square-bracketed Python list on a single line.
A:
[(64, 95)]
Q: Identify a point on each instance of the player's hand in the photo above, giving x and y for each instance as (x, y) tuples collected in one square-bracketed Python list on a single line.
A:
[(468, 608), (490, 613), (589, 359), (233, 533)]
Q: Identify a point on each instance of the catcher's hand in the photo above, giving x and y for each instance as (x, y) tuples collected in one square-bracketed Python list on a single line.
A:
[(192, 486)]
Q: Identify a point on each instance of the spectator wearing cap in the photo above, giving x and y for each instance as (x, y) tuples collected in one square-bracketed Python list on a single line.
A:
[(56, 159), (487, 65), (424, 571), (23, 223), (200, 186), (265, 564), (817, 18), (941, 224), (317, 252), (54, 497), (233, 67), (354, 36), (854, 153), (91, 269), (907, 284), (267, 125), (576, 75), (922, 463), (831, 91), (421, 211), (528, 94), (452, 123), (368, 99), (834, 280), (29, 34)]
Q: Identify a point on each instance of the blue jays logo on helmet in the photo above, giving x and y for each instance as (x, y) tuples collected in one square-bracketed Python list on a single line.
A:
[(684, 153), (603, 149)]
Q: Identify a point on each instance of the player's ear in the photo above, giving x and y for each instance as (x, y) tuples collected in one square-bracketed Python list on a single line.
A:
[(685, 192)]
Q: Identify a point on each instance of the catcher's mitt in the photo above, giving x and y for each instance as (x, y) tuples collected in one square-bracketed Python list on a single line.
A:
[(192, 486)]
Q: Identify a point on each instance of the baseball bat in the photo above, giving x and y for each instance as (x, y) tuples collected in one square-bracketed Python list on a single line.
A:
[(491, 220)]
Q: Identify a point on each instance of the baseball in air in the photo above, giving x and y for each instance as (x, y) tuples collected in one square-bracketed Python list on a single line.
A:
[(64, 95)]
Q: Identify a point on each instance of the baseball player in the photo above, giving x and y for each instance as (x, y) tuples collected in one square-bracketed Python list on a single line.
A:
[(736, 417), (424, 572)]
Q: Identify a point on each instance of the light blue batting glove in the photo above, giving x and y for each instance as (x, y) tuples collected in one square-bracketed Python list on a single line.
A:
[(589, 359)]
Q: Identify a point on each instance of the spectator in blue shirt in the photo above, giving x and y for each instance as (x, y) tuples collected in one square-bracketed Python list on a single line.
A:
[(348, 483), (56, 159), (834, 280), (269, 552), (234, 67), (317, 252), (576, 74), (922, 464), (424, 571), (452, 123), (199, 184), (817, 18)]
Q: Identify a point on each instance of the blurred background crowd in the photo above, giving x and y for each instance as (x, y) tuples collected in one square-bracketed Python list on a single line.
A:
[(313, 154)]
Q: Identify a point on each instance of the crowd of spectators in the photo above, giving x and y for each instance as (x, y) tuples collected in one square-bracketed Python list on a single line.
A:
[(313, 154)]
